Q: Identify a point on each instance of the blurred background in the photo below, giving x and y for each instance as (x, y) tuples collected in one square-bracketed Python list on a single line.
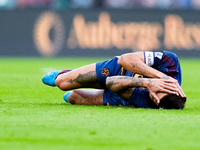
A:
[(126, 4), (55, 28)]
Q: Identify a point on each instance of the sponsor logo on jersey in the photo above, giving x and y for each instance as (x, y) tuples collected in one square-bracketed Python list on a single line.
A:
[(158, 55)]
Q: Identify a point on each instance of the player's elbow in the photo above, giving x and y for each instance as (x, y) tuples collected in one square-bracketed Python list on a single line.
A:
[(125, 58), (121, 60), (72, 98)]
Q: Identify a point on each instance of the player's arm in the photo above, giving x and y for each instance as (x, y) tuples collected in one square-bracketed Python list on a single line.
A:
[(123, 86), (135, 62)]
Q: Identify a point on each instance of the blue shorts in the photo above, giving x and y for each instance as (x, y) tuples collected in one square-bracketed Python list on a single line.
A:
[(107, 68), (110, 98), (110, 68)]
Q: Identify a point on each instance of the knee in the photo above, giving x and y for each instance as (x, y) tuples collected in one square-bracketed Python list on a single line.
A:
[(73, 97), (60, 82)]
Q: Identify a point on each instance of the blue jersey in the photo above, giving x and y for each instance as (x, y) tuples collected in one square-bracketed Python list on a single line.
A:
[(166, 62), (139, 98)]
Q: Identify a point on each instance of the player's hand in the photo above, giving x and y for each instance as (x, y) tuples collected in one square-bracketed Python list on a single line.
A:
[(174, 81), (161, 85)]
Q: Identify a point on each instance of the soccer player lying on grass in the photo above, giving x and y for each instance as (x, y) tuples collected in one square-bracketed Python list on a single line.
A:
[(162, 65), (127, 91)]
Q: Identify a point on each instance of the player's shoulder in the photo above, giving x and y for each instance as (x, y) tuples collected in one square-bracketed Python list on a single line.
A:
[(170, 54)]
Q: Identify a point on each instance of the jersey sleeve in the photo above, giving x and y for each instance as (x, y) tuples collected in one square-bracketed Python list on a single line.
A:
[(149, 57)]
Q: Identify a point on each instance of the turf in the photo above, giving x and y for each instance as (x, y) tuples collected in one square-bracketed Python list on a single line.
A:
[(34, 116)]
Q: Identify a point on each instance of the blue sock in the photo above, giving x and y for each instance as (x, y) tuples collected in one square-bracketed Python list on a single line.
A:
[(65, 96)]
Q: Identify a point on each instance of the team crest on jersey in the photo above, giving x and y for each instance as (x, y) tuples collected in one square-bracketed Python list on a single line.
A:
[(105, 72)]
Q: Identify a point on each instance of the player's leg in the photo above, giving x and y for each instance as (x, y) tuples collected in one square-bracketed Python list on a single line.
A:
[(85, 97), (49, 78), (83, 77)]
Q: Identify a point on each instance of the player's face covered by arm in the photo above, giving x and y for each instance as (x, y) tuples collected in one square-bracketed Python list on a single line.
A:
[(163, 65)]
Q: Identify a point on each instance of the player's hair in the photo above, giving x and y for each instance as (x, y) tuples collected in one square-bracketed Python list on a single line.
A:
[(172, 101)]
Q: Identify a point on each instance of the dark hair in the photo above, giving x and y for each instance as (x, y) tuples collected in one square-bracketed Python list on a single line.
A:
[(172, 101)]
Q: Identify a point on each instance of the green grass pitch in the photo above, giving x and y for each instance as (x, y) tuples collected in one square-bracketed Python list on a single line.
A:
[(34, 116)]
